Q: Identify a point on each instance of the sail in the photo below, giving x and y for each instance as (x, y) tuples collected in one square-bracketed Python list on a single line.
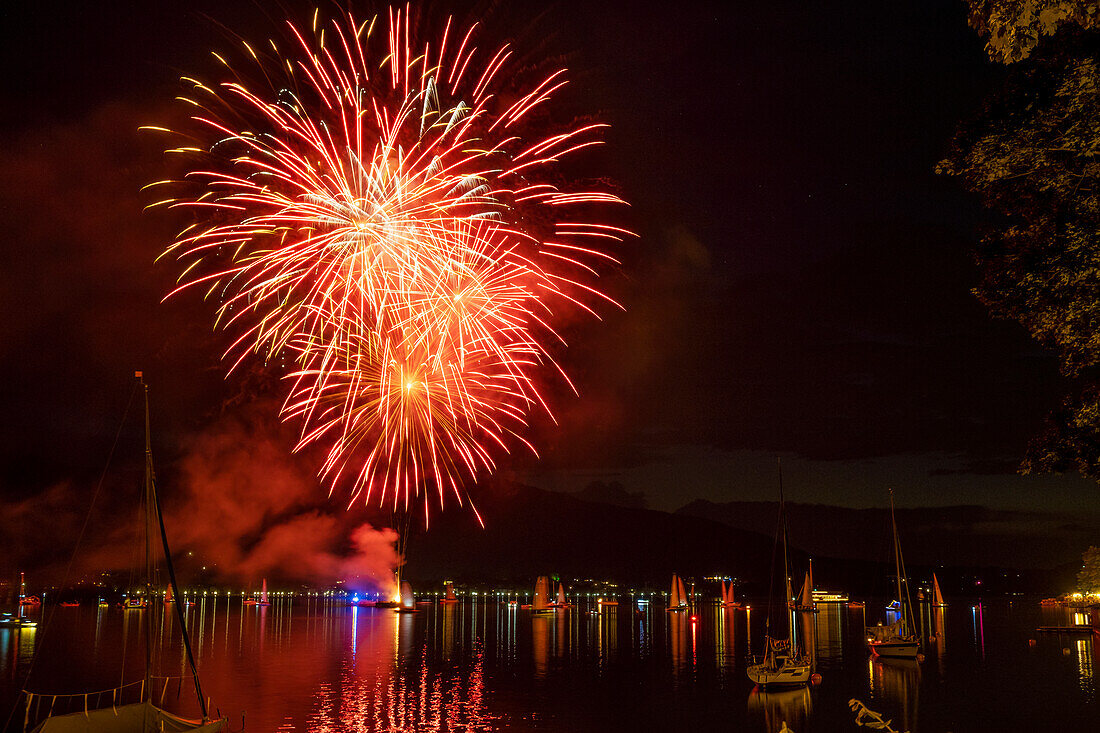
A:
[(263, 593), (683, 592), (806, 599), (450, 591), (674, 598), (725, 593), (407, 600), (542, 593), (937, 596), (168, 594), (561, 594)]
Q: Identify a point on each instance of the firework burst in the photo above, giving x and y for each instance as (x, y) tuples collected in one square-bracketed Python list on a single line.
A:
[(386, 213)]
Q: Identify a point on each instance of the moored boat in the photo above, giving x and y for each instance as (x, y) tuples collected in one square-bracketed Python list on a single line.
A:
[(262, 600), (677, 597), (783, 663), (937, 596), (727, 600), (896, 639), (141, 716), (408, 601), (541, 602)]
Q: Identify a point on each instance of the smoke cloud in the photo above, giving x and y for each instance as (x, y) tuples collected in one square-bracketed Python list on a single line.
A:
[(239, 506), (250, 509)]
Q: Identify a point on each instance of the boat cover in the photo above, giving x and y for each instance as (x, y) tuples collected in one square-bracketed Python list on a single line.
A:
[(884, 633), (142, 717)]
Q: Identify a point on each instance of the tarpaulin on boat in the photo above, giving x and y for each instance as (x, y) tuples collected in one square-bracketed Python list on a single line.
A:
[(142, 717)]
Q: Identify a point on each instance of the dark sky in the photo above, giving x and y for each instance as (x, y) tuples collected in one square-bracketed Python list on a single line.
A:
[(800, 287)]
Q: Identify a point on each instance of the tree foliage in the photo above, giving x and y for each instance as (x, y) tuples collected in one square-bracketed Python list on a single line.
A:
[(1088, 579), (1013, 28), (1033, 157)]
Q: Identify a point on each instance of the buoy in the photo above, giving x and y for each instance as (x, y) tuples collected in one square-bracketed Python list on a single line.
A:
[(815, 678), (920, 657)]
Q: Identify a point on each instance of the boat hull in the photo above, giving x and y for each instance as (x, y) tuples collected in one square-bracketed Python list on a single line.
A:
[(788, 675), (895, 649)]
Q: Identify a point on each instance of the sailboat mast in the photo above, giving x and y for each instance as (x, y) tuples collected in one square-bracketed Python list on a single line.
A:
[(786, 561), (155, 513), (148, 500), (897, 560)]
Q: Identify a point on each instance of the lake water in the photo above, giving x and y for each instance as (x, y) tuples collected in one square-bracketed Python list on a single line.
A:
[(485, 666)]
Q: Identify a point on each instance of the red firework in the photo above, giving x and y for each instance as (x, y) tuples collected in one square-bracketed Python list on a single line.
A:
[(390, 219)]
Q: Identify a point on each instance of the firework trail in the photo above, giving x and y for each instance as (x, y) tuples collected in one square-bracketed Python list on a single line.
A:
[(387, 214)]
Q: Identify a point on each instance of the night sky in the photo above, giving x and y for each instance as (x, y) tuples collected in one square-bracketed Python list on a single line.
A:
[(800, 288)]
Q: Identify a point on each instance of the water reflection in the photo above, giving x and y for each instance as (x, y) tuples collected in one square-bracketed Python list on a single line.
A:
[(608, 637), (897, 681), (725, 637), (938, 636), (679, 640), (318, 666), (1085, 648), (540, 644), (16, 648), (977, 621), (410, 694), (829, 634), (776, 708)]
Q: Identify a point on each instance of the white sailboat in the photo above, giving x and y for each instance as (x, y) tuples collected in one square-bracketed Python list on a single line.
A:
[(783, 663), (141, 716), (678, 597), (541, 603), (896, 639), (408, 601), (561, 602)]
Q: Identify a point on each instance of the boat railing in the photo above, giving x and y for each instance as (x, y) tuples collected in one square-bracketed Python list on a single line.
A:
[(39, 706)]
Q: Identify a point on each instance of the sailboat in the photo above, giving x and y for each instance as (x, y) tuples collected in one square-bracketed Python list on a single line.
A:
[(133, 603), (263, 597), (142, 716), (783, 663), (561, 601), (896, 640), (169, 598), (541, 602), (449, 596), (677, 597), (727, 600), (937, 596), (408, 601), (805, 602)]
